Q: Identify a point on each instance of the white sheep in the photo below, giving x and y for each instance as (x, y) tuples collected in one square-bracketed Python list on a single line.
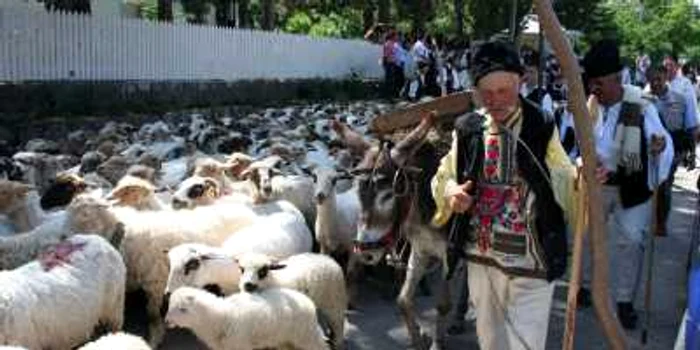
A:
[(270, 319), (147, 234), (337, 214), (57, 302), (281, 232), (197, 191), (84, 214), (136, 193), (269, 185), (22, 205), (315, 275), (114, 341)]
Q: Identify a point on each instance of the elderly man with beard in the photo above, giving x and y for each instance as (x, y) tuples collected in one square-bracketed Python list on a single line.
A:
[(636, 153), (509, 176)]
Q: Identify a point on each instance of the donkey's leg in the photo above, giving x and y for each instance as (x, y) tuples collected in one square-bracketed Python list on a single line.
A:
[(459, 324), (444, 304), (416, 268)]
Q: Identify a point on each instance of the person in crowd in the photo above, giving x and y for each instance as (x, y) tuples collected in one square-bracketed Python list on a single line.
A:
[(631, 145), (519, 169), (531, 88), (682, 84), (681, 123)]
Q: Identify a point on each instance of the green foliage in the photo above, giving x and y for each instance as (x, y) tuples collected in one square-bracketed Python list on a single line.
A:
[(658, 27), (344, 24)]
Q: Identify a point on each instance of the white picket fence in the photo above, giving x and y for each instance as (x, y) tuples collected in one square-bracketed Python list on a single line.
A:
[(36, 45)]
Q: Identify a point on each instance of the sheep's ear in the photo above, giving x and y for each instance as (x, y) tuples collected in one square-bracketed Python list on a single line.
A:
[(166, 251), (276, 266), (307, 170), (275, 171)]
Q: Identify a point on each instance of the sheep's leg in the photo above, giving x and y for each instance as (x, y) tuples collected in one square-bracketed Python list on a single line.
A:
[(156, 328), (444, 305), (417, 264), (352, 278)]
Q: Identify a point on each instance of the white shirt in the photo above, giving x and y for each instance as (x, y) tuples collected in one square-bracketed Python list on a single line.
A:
[(604, 134), (420, 52), (684, 86)]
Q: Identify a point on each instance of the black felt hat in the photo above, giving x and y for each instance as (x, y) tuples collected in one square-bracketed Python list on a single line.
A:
[(602, 59), (495, 55)]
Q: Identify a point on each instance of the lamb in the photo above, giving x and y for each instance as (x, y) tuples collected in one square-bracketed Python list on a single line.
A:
[(268, 185), (149, 233), (269, 319), (67, 186), (316, 275), (114, 168), (280, 233), (113, 341), (81, 279), (21, 204), (337, 213), (40, 168), (84, 214), (135, 192)]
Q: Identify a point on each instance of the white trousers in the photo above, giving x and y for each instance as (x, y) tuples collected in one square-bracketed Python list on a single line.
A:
[(511, 312), (627, 231)]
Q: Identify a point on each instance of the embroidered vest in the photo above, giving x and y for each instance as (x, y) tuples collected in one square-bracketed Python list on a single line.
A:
[(518, 226)]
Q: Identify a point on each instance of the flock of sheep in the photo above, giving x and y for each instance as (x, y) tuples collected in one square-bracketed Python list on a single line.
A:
[(239, 229)]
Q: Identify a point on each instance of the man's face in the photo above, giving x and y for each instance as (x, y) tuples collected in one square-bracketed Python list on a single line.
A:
[(657, 82), (606, 88), (499, 93), (530, 75), (671, 68)]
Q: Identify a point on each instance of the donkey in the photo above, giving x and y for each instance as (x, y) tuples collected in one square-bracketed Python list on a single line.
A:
[(396, 202)]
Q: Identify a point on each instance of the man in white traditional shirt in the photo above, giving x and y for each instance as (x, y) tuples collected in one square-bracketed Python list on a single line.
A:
[(681, 123), (682, 84), (636, 152)]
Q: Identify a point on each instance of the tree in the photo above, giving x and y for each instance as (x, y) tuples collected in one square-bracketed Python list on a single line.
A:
[(489, 17), (222, 13), (76, 6), (165, 10), (196, 10), (383, 11), (459, 17), (268, 15)]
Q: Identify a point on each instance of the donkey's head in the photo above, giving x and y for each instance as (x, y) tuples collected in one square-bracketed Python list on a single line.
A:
[(389, 181)]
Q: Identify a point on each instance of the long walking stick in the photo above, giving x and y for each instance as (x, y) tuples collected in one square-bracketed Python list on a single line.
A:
[(650, 249), (584, 130), (575, 279)]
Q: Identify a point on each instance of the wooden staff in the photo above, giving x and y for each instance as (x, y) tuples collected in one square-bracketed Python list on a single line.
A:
[(570, 68)]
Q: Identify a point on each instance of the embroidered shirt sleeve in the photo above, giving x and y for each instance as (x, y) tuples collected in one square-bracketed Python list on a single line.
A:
[(445, 177), (563, 174)]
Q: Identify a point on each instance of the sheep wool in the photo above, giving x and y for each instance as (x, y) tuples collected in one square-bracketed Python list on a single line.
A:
[(245, 321), (81, 279), (117, 341)]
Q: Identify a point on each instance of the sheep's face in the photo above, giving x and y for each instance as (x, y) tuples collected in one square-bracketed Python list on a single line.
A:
[(12, 195), (132, 192), (261, 177), (255, 270), (196, 191), (183, 310), (62, 191), (325, 181), (200, 266), (92, 215)]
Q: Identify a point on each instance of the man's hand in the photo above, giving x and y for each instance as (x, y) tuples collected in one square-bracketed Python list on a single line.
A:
[(658, 143), (602, 174), (459, 199)]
